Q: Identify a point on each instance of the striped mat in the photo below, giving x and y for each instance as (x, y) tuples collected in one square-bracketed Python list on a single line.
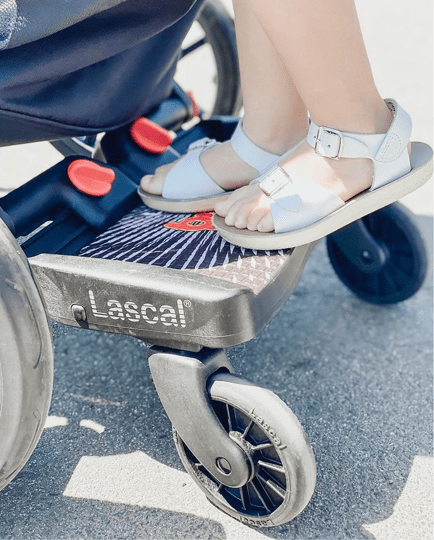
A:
[(184, 242)]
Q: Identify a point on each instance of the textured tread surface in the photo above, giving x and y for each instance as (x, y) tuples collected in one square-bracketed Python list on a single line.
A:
[(184, 242)]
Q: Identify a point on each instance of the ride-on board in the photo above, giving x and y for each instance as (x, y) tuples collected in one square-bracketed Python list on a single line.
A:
[(101, 260)]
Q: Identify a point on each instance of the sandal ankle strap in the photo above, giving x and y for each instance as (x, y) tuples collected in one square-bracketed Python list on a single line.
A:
[(383, 149), (248, 151)]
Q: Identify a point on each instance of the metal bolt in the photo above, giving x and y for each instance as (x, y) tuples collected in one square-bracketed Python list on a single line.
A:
[(223, 465), (79, 312)]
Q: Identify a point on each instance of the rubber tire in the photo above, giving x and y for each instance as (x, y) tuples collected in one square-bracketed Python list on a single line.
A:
[(297, 457), (219, 30), (26, 360), (394, 227)]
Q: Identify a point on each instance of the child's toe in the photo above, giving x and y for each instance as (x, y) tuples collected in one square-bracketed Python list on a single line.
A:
[(151, 184), (222, 206), (242, 216), (154, 183), (145, 182), (231, 214), (266, 224), (256, 215)]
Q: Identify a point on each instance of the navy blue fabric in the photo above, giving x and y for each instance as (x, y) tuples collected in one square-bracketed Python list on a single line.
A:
[(24, 21), (143, 236), (94, 75)]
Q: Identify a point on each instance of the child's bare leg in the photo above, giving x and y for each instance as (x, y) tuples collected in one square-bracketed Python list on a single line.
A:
[(275, 116), (322, 48)]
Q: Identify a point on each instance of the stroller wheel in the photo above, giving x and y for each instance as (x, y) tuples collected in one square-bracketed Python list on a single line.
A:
[(26, 360), (211, 48), (405, 263), (282, 463)]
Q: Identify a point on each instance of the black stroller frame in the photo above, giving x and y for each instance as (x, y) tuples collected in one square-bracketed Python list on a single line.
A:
[(61, 259)]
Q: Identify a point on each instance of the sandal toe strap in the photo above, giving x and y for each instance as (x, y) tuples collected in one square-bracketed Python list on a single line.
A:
[(187, 179), (295, 202)]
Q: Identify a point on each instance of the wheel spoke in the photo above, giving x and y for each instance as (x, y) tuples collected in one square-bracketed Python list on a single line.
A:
[(272, 485), (244, 494), (272, 466), (246, 431), (193, 47), (399, 271), (230, 419), (262, 494), (262, 446)]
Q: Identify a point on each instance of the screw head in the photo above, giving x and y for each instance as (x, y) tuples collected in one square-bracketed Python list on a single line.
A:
[(367, 257), (79, 312)]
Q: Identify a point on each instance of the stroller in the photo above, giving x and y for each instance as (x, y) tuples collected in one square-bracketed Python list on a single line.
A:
[(70, 253)]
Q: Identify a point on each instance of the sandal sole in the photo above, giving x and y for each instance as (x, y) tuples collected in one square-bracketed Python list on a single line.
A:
[(180, 206)]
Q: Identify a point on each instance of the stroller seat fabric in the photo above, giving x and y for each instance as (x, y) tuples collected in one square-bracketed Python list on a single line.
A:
[(77, 68)]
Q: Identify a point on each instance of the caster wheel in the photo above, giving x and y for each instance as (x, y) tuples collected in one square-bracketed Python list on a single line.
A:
[(26, 360), (282, 463), (405, 267)]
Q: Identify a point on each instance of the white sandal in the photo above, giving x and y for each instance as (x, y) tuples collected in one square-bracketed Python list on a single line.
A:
[(304, 212), (189, 188)]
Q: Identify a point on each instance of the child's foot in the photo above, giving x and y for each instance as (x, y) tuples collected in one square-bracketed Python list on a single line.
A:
[(249, 207), (329, 181), (209, 171), (222, 164)]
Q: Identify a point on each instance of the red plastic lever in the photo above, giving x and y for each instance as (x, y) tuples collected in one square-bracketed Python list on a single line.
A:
[(150, 136), (91, 178), (196, 111)]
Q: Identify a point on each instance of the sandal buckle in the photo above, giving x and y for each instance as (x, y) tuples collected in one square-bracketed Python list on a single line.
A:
[(318, 138), (201, 143), (274, 181)]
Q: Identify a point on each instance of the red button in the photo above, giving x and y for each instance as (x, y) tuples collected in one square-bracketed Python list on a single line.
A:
[(91, 178), (149, 136)]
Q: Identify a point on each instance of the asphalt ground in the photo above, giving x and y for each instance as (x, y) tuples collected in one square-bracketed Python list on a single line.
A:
[(358, 376)]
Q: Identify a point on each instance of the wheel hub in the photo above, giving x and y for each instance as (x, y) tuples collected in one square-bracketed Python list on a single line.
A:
[(237, 437)]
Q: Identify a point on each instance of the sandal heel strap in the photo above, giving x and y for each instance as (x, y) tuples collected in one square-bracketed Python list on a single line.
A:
[(398, 135), (392, 159), (383, 147), (248, 151)]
